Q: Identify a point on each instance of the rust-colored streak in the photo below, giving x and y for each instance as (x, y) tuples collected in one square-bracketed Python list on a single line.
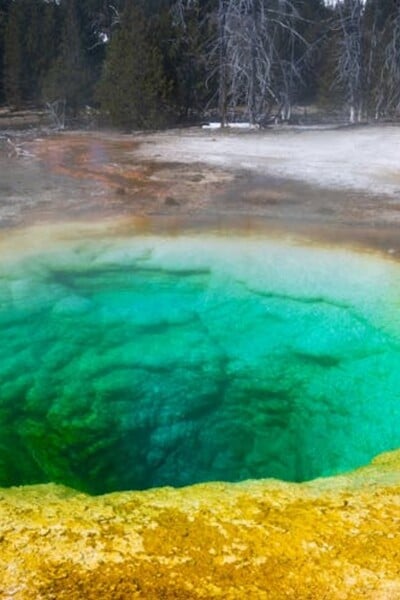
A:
[(95, 160), (103, 175), (95, 175)]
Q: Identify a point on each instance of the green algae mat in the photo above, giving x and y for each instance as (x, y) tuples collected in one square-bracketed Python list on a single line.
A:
[(129, 362)]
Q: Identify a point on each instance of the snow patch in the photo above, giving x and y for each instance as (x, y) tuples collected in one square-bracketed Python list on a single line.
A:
[(217, 125)]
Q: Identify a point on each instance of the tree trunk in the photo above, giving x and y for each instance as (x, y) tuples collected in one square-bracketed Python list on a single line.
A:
[(253, 64), (222, 64)]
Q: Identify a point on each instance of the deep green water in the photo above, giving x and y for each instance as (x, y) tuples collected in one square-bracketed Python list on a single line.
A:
[(128, 364)]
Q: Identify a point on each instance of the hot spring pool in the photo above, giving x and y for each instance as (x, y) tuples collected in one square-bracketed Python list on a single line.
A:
[(129, 363)]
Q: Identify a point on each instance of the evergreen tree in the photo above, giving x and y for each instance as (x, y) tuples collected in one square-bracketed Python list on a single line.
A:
[(152, 61), (4, 8), (13, 57), (68, 80), (134, 89), (313, 27), (29, 48)]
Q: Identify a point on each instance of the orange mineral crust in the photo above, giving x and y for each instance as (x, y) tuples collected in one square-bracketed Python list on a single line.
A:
[(333, 538)]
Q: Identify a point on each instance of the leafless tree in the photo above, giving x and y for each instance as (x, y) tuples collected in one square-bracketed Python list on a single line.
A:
[(372, 92), (250, 54), (262, 58), (103, 21), (350, 56), (256, 55), (57, 111), (391, 69), (223, 72)]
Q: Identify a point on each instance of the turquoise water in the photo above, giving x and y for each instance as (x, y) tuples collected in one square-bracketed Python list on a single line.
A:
[(143, 362)]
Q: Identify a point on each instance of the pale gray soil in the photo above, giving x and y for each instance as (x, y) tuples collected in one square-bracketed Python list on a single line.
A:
[(335, 186)]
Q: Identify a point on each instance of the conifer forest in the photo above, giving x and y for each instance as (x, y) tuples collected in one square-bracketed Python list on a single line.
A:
[(154, 63)]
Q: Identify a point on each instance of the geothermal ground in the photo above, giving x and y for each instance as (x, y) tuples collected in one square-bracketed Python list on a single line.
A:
[(233, 274), (338, 185)]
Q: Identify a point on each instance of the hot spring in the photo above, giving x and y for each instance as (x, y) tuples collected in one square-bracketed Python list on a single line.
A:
[(141, 361)]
